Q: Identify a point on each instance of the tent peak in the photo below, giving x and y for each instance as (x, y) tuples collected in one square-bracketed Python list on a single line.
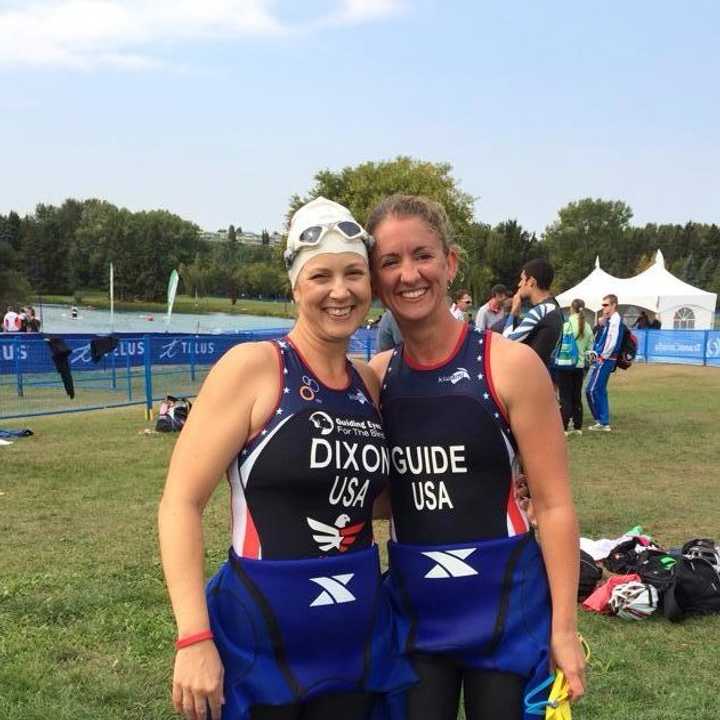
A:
[(597, 261), (659, 259)]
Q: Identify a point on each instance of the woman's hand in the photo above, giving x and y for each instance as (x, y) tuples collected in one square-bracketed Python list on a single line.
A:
[(198, 682), (568, 655)]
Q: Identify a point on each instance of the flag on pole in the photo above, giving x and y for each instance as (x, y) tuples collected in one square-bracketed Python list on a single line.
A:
[(172, 289)]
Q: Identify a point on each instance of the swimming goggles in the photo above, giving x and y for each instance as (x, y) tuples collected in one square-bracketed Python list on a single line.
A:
[(312, 236)]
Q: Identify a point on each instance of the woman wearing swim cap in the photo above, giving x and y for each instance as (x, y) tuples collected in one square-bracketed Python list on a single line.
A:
[(484, 611), (294, 624)]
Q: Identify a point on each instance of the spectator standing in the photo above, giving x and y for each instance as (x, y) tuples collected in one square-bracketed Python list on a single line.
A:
[(605, 352), (11, 321), (34, 322), (492, 311), (389, 334), (462, 301), (542, 326), (570, 379), (643, 321)]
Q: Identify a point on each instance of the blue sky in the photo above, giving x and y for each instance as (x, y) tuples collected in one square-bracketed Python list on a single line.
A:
[(219, 110)]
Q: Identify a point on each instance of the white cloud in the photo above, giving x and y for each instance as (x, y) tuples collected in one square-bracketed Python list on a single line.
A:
[(125, 33)]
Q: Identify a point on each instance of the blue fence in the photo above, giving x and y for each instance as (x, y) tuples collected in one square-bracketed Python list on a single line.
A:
[(140, 371), (687, 347), (145, 368)]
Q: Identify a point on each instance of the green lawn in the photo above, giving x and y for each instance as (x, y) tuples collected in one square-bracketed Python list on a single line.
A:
[(85, 626)]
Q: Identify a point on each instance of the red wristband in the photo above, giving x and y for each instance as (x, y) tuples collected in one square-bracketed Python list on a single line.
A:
[(192, 639)]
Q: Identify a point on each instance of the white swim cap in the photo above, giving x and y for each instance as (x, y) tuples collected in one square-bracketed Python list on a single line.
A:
[(322, 226)]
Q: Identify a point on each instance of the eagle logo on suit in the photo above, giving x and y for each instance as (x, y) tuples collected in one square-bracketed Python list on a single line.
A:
[(339, 536)]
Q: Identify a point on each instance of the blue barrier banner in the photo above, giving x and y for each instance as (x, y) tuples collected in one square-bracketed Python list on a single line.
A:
[(673, 346), (712, 348), (30, 353)]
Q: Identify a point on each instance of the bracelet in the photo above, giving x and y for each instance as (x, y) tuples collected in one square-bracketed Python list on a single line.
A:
[(192, 639)]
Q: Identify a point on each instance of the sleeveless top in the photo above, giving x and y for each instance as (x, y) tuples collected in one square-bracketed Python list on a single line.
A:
[(453, 456), (304, 485)]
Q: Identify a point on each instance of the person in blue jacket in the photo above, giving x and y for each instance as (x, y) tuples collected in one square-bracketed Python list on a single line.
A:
[(480, 608), (603, 360)]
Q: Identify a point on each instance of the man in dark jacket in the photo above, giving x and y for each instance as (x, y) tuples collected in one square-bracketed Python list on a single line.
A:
[(542, 325)]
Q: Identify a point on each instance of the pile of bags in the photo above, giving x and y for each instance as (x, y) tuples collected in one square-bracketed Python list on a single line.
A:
[(173, 414), (645, 578)]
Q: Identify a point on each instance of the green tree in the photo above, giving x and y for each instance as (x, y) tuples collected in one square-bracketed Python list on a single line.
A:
[(265, 237), (47, 239), (585, 229), (508, 248), (14, 287), (362, 187), (705, 272)]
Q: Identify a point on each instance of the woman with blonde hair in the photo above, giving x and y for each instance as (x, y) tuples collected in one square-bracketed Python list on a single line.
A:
[(570, 377), (484, 610)]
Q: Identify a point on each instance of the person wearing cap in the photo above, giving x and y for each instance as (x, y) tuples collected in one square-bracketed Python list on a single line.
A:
[(294, 624), (482, 611), (493, 311)]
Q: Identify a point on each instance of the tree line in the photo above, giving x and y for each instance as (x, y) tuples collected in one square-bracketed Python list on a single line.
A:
[(67, 249), (62, 250)]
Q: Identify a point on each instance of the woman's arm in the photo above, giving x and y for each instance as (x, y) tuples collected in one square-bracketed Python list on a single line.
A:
[(225, 413), (524, 386)]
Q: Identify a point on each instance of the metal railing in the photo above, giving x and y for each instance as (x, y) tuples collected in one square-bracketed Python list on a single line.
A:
[(141, 370)]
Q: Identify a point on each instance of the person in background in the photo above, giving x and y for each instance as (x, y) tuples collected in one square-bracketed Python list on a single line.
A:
[(643, 321), (493, 311), (604, 359), (499, 326), (462, 300), (542, 325), (11, 321), (388, 334), (570, 379), (34, 323), (655, 324)]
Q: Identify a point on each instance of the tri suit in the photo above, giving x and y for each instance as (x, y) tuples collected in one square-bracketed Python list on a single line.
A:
[(298, 611), (466, 577)]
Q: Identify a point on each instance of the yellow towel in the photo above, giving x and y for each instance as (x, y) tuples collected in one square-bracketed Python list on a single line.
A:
[(558, 704)]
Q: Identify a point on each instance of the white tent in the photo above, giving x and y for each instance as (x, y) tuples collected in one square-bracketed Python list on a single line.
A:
[(674, 302)]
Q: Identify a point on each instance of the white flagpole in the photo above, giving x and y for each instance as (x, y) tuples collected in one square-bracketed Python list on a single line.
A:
[(112, 298)]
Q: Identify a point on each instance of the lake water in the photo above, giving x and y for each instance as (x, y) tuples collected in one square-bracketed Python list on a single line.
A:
[(57, 319)]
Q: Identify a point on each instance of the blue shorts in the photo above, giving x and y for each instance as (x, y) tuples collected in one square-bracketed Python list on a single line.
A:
[(485, 604), (290, 630)]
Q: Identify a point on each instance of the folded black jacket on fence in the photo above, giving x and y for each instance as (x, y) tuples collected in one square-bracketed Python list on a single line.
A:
[(60, 354), (101, 346)]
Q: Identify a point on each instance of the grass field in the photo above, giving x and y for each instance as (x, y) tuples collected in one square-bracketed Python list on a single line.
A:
[(85, 627)]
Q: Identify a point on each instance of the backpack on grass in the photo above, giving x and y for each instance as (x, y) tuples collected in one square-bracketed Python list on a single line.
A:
[(590, 575), (627, 352), (172, 414), (694, 591)]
